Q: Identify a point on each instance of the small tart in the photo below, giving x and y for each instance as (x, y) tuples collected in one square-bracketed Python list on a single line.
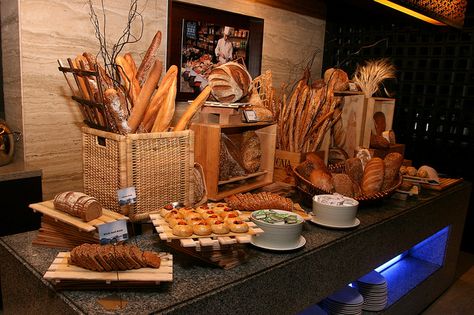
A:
[(219, 207), (173, 214), (173, 221), (191, 215), (183, 230), (212, 218), (238, 226), (196, 220), (207, 213), (228, 214), (185, 210), (219, 227), (202, 208), (202, 229)]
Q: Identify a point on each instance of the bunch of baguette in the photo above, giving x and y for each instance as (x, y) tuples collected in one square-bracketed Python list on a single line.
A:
[(134, 99), (356, 180), (307, 113)]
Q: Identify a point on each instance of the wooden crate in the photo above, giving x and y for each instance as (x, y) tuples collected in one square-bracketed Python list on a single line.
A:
[(357, 117), (159, 165), (207, 152)]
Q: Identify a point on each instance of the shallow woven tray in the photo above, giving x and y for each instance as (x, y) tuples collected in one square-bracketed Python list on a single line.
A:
[(307, 190)]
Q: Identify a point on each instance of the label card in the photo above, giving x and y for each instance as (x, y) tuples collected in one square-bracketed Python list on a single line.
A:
[(113, 232), (127, 196), (250, 115)]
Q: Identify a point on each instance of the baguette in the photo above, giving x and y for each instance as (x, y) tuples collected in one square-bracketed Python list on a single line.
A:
[(166, 112), (127, 74), (158, 98), (144, 98), (113, 103), (149, 59), (192, 109), (373, 176)]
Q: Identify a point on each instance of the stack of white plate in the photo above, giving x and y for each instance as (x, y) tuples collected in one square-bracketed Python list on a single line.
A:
[(346, 301), (373, 288)]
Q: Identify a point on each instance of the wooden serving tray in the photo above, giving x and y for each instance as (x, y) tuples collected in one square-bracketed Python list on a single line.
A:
[(47, 208), (215, 241), (63, 274), (443, 183)]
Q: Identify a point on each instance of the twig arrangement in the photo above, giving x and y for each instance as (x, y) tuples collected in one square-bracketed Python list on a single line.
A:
[(306, 115), (370, 75)]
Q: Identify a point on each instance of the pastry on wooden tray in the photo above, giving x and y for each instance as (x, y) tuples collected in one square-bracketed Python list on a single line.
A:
[(113, 257)]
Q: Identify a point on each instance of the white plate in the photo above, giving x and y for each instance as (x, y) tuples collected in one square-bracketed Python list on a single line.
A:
[(335, 226), (299, 245)]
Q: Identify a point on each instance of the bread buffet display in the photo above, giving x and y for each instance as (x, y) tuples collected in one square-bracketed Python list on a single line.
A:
[(235, 154)]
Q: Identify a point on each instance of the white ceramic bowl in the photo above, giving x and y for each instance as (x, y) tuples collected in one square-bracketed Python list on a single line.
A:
[(337, 210), (278, 235)]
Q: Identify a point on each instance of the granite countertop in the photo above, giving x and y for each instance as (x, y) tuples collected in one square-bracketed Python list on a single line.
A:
[(193, 280), (18, 170)]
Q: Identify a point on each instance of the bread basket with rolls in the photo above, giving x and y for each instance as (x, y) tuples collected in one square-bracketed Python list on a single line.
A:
[(368, 183)]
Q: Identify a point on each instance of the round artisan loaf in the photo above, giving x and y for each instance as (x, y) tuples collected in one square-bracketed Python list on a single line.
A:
[(322, 180), (392, 163), (353, 168), (373, 176), (343, 184), (229, 82), (338, 78), (251, 151)]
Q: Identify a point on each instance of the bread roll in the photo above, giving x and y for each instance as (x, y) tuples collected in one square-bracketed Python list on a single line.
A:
[(316, 160), (322, 180), (251, 151), (353, 168), (380, 123), (343, 184), (379, 142), (230, 82), (392, 163), (373, 176)]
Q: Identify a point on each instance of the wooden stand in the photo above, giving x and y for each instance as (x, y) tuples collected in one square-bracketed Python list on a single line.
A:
[(207, 153)]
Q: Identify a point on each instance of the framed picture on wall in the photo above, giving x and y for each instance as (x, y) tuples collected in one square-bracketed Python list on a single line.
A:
[(201, 38)]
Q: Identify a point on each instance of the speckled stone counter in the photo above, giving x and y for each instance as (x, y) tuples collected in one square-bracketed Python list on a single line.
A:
[(270, 282)]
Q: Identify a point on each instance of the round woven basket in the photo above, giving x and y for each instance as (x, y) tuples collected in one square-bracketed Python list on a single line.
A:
[(307, 190)]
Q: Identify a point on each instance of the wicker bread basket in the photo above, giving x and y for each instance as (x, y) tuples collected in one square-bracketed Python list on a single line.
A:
[(160, 166), (307, 190)]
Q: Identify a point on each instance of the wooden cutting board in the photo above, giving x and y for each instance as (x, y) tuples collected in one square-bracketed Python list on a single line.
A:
[(62, 273)]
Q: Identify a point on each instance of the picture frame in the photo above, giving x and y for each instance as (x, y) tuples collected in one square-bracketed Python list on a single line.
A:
[(194, 32)]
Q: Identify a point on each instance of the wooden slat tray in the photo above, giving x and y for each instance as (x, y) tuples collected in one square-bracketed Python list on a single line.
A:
[(214, 240), (443, 183), (47, 208), (63, 274)]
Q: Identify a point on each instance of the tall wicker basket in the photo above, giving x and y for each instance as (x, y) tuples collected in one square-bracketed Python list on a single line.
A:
[(159, 165)]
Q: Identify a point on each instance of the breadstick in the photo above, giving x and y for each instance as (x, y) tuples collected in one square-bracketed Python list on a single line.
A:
[(158, 98), (144, 98), (166, 112), (296, 121), (192, 109), (149, 59)]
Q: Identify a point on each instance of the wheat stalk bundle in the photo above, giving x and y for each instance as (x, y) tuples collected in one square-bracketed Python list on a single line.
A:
[(369, 76)]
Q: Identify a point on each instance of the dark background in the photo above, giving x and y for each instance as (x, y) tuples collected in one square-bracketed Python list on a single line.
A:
[(434, 90)]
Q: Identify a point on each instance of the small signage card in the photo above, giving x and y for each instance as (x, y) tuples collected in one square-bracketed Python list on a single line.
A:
[(250, 115), (113, 232), (127, 196)]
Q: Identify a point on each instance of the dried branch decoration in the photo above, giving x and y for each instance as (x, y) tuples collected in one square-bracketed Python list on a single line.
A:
[(109, 54), (369, 76)]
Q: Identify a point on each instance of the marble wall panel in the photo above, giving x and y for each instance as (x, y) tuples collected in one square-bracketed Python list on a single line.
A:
[(11, 70), (56, 29)]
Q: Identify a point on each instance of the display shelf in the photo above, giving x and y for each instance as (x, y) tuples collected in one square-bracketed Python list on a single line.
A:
[(207, 153)]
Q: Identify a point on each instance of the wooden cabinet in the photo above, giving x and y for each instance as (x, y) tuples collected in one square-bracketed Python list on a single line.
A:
[(207, 153)]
